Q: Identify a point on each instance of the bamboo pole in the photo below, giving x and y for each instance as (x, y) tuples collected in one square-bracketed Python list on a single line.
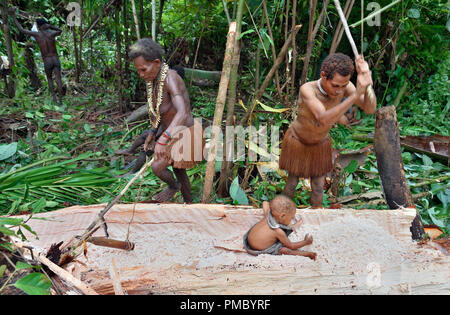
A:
[(220, 104)]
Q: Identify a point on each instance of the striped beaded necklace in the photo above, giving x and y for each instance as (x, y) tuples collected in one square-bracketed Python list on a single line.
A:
[(155, 110)]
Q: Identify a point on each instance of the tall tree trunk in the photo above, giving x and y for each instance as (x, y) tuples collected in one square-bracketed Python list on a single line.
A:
[(160, 13), (390, 165), (75, 47), (31, 66), (142, 26), (220, 104), (136, 22), (9, 82), (154, 20), (127, 73), (80, 32), (294, 56), (227, 161), (119, 61)]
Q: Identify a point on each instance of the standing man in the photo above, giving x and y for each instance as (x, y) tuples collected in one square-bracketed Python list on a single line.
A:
[(175, 137), (306, 150), (45, 38)]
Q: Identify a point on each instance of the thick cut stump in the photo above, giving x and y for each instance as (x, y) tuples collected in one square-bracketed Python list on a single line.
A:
[(390, 165)]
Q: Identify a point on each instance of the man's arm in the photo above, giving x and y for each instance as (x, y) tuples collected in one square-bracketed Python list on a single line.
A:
[(323, 116), (57, 32), (12, 11), (364, 78)]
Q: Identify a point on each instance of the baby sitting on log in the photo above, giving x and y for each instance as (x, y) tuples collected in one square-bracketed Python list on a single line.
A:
[(270, 235)]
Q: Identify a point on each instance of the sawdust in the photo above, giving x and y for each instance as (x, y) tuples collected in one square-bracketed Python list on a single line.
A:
[(348, 243)]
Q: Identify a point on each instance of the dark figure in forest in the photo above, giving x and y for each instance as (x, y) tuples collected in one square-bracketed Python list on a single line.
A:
[(306, 151), (137, 164), (175, 137), (45, 38)]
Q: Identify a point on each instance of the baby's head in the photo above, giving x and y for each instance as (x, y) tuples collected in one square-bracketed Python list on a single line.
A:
[(282, 209)]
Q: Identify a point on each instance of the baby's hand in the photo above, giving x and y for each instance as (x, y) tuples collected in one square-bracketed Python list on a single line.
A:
[(308, 239)]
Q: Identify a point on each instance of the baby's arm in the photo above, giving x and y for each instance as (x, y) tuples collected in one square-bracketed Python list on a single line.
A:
[(282, 237)]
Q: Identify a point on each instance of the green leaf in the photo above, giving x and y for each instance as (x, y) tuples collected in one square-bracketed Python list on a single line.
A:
[(351, 167), (413, 13), (426, 160), (2, 270), (246, 32), (237, 193), (34, 284), (21, 265), (7, 150)]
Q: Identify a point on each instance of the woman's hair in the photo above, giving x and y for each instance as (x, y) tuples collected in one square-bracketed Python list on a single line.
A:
[(282, 204), (339, 63), (147, 48)]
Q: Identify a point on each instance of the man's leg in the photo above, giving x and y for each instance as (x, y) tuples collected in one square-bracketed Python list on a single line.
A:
[(48, 66), (291, 184), (58, 80), (160, 169), (183, 179), (317, 191)]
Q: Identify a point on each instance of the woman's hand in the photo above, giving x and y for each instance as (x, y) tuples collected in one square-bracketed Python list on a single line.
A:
[(149, 142), (160, 149)]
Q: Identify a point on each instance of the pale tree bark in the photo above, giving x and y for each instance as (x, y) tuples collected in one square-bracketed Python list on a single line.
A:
[(226, 162), (220, 105)]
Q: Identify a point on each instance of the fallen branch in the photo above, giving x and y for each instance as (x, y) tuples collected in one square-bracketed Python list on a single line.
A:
[(66, 276)]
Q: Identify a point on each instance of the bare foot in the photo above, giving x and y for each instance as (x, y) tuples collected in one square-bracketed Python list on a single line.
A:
[(123, 152), (167, 193)]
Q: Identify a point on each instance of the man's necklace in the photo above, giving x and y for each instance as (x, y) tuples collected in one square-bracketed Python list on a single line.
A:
[(320, 87), (155, 110)]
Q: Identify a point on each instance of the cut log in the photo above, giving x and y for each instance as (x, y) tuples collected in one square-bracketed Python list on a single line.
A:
[(197, 249), (390, 165)]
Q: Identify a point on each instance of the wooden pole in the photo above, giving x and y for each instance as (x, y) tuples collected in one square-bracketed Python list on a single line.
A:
[(231, 101), (220, 104), (390, 165), (369, 90)]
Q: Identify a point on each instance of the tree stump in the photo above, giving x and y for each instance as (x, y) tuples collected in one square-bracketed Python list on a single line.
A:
[(390, 165)]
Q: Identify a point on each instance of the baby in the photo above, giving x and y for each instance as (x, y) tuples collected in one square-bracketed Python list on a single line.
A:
[(270, 235)]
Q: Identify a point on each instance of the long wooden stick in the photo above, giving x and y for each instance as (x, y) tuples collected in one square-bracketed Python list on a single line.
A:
[(369, 89), (65, 275), (102, 213)]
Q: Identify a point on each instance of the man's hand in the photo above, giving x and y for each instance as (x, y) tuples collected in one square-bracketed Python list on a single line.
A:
[(361, 65), (364, 76)]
